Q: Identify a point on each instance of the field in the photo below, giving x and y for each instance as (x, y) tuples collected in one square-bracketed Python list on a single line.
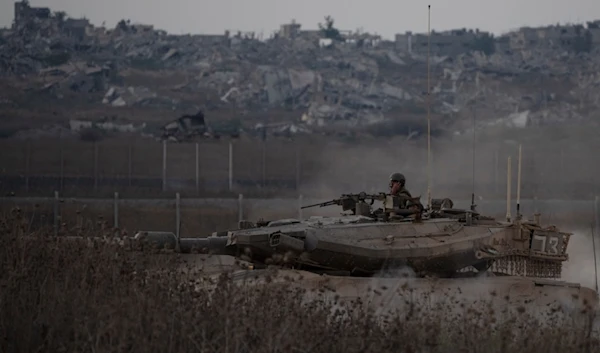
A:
[(68, 297)]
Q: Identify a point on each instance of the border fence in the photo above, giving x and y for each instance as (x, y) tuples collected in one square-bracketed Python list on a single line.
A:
[(192, 217), (141, 168)]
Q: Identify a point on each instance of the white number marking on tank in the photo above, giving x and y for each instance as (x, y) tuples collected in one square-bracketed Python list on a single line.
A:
[(542, 239), (553, 248), (552, 241)]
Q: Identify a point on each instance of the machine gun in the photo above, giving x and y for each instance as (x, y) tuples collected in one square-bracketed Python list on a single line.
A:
[(357, 203), (360, 204)]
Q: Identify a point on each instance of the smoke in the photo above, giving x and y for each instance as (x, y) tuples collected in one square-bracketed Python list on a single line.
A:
[(365, 165), (580, 268)]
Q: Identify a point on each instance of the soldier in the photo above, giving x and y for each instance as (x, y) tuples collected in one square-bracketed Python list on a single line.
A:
[(397, 182)]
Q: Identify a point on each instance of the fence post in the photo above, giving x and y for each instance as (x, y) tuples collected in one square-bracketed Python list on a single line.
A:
[(496, 171), (177, 216), (116, 210), (56, 213), (594, 233), (297, 167), (129, 163), (508, 190), (230, 166), (95, 166), (62, 169), (164, 166), (596, 215), (240, 207), (300, 207), (197, 167), (27, 165), (264, 163)]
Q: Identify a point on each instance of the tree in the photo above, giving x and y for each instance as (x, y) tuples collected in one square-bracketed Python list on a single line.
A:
[(329, 31)]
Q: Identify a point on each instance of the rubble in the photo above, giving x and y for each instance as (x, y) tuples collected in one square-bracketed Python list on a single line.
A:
[(326, 82), (76, 77), (54, 131), (185, 127), (137, 96), (110, 125)]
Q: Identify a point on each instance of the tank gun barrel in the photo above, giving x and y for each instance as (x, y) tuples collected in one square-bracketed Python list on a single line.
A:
[(323, 204)]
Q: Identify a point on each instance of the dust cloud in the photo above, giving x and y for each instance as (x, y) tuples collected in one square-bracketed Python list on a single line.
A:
[(580, 268), (548, 159)]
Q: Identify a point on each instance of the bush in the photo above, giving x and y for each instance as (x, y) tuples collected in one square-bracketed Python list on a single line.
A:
[(66, 296)]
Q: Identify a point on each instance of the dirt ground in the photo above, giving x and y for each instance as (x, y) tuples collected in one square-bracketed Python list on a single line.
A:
[(500, 297)]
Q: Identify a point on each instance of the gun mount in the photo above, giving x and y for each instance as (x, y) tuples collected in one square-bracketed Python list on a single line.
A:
[(396, 208), (393, 207)]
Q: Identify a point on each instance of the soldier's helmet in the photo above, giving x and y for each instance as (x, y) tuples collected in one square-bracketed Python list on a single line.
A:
[(399, 177)]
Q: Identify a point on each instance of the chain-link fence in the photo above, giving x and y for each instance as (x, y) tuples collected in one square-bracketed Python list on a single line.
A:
[(192, 217), (210, 168)]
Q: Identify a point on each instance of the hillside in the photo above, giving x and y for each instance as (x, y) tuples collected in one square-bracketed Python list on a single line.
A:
[(54, 70)]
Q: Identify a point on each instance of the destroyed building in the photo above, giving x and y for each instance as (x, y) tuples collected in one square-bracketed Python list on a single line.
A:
[(25, 13), (452, 42), (185, 127), (290, 30), (567, 37), (48, 24), (354, 83), (76, 28)]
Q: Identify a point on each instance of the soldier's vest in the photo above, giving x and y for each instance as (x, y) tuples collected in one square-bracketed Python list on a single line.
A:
[(401, 198)]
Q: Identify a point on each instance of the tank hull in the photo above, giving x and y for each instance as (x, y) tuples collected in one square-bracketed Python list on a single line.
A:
[(441, 246)]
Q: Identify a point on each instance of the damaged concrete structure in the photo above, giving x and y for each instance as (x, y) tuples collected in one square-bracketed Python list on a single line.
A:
[(25, 13), (451, 43), (37, 18), (352, 84), (185, 127)]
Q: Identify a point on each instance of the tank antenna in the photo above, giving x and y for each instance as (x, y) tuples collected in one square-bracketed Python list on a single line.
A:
[(519, 186), (428, 109), (508, 175), (595, 263), (473, 177)]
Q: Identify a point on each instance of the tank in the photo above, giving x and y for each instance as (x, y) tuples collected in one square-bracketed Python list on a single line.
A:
[(440, 241)]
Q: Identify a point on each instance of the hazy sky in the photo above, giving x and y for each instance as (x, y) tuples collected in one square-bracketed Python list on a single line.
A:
[(384, 17)]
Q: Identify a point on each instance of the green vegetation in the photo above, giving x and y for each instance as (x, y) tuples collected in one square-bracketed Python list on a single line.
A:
[(329, 31)]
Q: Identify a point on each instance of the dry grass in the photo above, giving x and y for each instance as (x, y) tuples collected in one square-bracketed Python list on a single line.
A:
[(67, 297)]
